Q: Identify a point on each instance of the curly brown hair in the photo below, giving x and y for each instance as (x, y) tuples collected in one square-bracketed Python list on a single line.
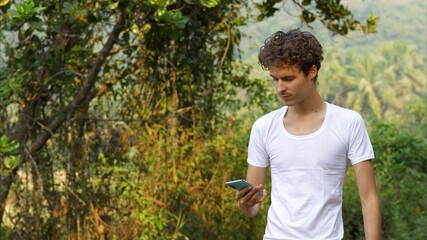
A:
[(294, 48)]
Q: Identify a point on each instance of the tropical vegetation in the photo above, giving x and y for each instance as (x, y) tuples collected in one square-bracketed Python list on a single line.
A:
[(123, 119)]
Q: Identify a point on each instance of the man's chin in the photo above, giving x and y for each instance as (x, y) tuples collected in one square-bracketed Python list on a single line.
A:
[(287, 103)]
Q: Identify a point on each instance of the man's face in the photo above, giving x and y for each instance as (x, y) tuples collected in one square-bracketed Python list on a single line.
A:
[(292, 86)]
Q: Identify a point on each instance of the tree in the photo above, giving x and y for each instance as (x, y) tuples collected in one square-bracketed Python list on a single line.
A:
[(386, 84)]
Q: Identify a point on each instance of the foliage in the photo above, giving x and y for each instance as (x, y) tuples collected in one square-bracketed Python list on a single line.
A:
[(152, 61), (195, 168), (387, 83), (401, 175), (399, 146), (332, 14), (126, 120), (8, 155)]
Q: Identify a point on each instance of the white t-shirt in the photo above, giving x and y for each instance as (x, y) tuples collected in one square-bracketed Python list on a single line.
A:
[(307, 172)]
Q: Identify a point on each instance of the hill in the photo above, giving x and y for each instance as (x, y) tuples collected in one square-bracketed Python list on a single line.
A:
[(404, 20)]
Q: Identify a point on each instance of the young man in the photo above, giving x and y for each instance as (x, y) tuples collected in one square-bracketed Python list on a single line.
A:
[(308, 145)]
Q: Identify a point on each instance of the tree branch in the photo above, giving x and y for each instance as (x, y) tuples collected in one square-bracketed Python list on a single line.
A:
[(84, 91)]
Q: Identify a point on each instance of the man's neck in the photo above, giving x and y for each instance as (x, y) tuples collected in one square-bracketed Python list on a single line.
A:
[(313, 104)]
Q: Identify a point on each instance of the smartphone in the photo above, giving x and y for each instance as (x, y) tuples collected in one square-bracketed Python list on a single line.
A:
[(240, 184)]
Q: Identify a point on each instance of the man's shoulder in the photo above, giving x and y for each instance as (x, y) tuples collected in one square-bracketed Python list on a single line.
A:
[(273, 114), (339, 112), (270, 117)]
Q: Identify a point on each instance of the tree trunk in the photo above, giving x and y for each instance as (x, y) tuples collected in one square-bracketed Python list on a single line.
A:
[(76, 181), (5, 183), (52, 198), (80, 97)]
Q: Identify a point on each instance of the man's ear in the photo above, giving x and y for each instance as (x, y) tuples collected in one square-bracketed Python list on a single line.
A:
[(312, 73)]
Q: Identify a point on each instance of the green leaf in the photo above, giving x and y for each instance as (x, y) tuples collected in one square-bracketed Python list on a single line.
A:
[(113, 4), (11, 162), (175, 18), (180, 20), (307, 16), (3, 140), (3, 2), (68, 8), (372, 23), (26, 10), (210, 3), (7, 146)]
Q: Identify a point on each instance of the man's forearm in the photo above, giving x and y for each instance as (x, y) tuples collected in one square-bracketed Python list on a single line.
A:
[(372, 218), (249, 212)]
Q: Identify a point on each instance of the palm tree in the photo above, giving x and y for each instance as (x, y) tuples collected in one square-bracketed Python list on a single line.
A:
[(381, 83), (334, 79), (369, 79)]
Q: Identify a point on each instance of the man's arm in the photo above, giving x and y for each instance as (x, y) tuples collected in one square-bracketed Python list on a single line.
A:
[(248, 199), (365, 179)]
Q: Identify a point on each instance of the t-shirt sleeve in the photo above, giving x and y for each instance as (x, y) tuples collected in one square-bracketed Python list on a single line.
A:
[(360, 147), (257, 154)]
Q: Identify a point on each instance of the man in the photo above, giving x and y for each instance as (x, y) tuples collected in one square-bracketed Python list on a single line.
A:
[(308, 145)]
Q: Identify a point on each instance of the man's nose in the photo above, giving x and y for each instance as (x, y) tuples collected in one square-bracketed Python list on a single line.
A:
[(281, 85)]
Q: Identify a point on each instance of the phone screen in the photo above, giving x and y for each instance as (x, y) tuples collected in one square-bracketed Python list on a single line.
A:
[(241, 184), (238, 184)]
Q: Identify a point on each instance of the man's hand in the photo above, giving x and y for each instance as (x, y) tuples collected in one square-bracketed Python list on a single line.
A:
[(248, 199)]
